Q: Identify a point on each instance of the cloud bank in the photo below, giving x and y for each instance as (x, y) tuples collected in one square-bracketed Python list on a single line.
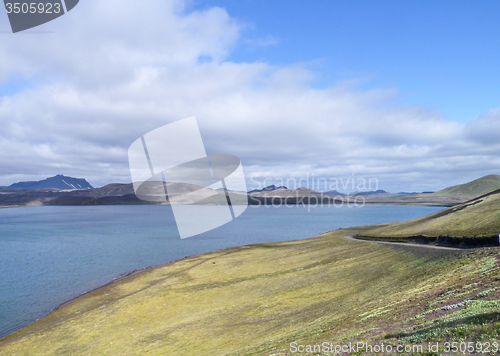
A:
[(113, 70)]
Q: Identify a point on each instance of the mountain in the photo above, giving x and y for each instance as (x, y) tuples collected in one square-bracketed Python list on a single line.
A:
[(111, 194), (268, 189), (57, 182), (334, 192), (472, 189), (371, 192)]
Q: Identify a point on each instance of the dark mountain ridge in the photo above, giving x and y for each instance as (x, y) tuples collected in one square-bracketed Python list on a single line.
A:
[(59, 181)]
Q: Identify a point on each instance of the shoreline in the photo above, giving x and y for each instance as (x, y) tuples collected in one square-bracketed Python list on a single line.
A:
[(70, 297), (128, 275), (429, 204), (122, 277)]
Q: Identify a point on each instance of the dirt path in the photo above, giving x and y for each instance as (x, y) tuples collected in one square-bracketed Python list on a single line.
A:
[(352, 237)]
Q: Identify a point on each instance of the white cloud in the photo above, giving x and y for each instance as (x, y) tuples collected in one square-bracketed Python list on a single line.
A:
[(114, 70), (267, 41)]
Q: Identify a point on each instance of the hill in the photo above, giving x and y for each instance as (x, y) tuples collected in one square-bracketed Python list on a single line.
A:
[(334, 192), (57, 182), (472, 189), (268, 189), (447, 197), (372, 192), (476, 221)]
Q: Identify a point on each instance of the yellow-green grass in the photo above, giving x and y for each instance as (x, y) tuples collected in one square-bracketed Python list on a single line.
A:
[(476, 219), (258, 299)]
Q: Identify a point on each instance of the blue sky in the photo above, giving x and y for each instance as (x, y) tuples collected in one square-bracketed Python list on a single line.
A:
[(14, 86), (440, 54)]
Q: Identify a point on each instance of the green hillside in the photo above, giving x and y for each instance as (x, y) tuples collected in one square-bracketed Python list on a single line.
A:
[(472, 189), (477, 219)]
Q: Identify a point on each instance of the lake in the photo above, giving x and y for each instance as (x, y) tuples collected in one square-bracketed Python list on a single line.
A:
[(49, 255)]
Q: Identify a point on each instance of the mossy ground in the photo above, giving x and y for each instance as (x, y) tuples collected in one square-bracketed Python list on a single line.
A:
[(256, 300)]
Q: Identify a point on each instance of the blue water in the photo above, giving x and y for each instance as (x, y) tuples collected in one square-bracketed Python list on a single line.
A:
[(49, 255)]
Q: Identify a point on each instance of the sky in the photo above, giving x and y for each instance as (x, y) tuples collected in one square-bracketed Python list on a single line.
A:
[(401, 92)]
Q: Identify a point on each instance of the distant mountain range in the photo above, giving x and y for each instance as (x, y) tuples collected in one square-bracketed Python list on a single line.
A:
[(57, 182), (446, 197), (272, 188), (63, 190)]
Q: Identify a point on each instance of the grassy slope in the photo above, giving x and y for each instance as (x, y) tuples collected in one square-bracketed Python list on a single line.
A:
[(477, 218), (478, 187), (257, 299)]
